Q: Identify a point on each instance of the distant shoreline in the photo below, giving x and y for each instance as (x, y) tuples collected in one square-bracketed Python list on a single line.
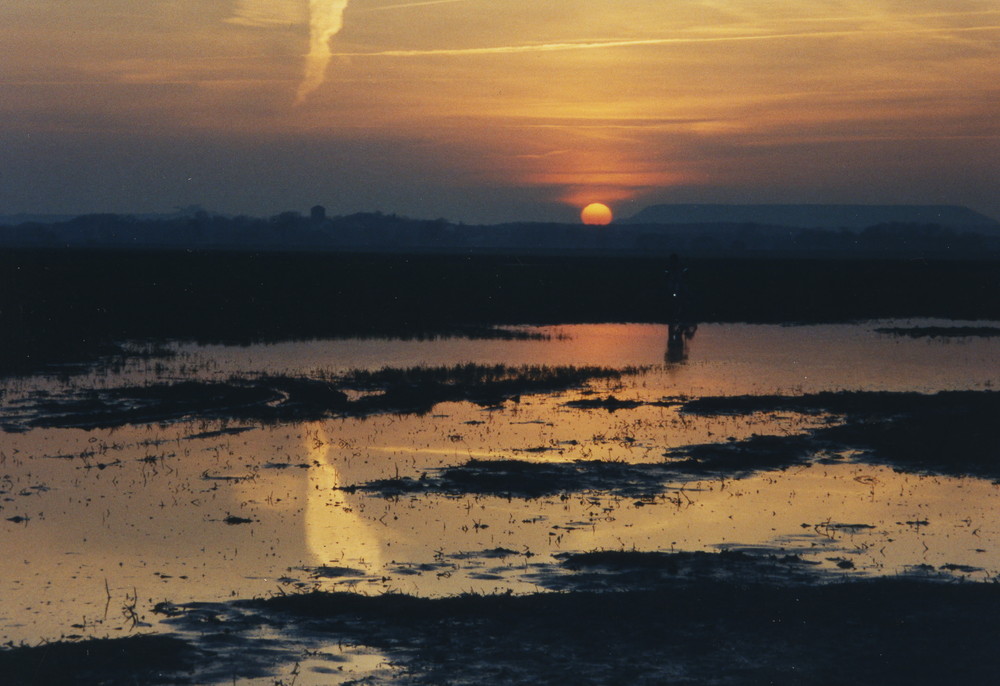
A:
[(696, 231), (60, 304)]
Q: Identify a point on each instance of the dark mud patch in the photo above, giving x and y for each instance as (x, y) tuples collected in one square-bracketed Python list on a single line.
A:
[(234, 520), (947, 433), (958, 440), (490, 554), (754, 454), (613, 404), (284, 465), (490, 565), (851, 403), (942, 331), (418, 389), (698, 564), (270, 399), (850, 528), (493, 333), (610, 403), (726, 618), (144, 659), (604, 570), (895, 632), (232, 431), (945, 572), (964, 569), (524, 479), (332, 572), (158, 403)]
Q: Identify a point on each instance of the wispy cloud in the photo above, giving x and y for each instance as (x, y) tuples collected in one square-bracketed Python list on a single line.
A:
[(421, 3), (267, 13), (640, 42), (543, 155)]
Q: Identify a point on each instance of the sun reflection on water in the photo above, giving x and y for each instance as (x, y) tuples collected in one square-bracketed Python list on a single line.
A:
[(335, 532)]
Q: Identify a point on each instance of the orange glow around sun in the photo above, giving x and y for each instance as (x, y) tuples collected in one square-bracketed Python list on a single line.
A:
[(596, 213)]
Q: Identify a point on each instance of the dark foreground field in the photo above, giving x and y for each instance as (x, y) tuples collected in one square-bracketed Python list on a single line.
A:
[(56, 305), (899, 631)]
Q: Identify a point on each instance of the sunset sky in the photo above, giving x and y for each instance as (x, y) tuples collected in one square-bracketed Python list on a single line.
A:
[(495, 110)]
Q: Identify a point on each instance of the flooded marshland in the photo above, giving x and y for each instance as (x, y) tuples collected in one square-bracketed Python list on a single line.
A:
[(542, 459)]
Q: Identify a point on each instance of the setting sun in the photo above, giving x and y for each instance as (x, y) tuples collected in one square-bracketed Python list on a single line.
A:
[(596, 213)]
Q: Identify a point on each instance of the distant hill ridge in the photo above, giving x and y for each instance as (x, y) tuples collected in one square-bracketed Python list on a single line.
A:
[(29, 218), (816, 216)]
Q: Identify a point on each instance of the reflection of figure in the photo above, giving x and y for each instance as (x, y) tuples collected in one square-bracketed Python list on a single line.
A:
[(678, 337), (679, 316)]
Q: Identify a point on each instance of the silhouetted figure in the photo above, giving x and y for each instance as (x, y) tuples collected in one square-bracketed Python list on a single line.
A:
[(677, 290), (681, 325), (317, 215)]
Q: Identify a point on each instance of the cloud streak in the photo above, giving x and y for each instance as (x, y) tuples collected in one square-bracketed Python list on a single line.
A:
[(267, 13), (643, 42), (419, 3)]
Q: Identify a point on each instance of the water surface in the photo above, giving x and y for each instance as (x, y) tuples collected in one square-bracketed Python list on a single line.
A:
[(100, 525)]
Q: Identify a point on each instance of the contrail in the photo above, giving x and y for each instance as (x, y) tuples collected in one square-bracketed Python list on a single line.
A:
[(420, 3), (606, 44), (326, 18)]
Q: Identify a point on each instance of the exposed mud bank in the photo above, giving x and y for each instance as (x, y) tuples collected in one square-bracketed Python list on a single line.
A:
[(524, 479), (149, 658), (725, 628), (946, 433), (286, 398), (942, 331)]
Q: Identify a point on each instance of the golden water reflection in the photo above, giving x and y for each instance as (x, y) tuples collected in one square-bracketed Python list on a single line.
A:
[(335, 532), (880, 520), (90, 517)]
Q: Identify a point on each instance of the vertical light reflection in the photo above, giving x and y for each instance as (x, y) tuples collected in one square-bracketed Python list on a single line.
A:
[(326, 18), (334, 531)]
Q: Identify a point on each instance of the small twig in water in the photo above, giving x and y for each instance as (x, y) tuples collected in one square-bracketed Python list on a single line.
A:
[(129, 611)]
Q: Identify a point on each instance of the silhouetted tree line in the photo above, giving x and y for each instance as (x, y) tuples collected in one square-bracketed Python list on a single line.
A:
[(376, 231)]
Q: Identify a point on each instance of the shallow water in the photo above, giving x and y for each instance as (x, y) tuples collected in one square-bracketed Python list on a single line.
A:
[(113, 519)]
